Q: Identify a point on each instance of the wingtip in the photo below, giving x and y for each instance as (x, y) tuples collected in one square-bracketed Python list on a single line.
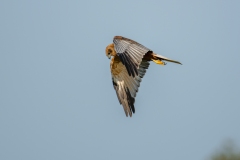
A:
[(129, 113)]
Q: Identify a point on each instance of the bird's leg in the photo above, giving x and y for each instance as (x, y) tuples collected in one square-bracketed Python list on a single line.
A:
[(158, 61)]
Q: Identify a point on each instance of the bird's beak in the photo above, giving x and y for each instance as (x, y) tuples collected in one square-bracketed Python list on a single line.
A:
[(109, 56)]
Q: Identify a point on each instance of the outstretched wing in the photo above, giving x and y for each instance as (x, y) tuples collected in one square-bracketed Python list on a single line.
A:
[(126, 86), (130, 53)]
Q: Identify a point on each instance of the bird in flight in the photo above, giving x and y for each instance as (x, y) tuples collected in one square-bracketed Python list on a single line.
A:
[(128, 65)]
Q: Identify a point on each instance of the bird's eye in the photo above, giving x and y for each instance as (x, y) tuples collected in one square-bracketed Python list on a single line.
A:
[(109, 51)]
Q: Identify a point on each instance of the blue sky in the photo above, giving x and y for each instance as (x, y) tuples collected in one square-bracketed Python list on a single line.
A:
[(56, 96)]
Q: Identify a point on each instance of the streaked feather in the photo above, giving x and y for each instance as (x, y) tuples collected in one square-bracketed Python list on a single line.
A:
[(130, 53), (126, 86)]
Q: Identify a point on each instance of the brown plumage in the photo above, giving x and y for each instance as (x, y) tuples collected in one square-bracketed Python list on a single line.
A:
[(128, 65)]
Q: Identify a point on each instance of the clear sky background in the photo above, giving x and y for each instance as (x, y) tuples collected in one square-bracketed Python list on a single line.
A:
[(56, 96)]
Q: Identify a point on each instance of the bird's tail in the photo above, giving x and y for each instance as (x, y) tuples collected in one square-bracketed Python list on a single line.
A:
[(158, 59)]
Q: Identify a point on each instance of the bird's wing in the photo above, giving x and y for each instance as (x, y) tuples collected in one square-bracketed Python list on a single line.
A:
[(126, 86), (130, 53)]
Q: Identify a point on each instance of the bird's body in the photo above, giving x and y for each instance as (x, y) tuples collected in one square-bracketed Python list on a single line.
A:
[(128, 65)]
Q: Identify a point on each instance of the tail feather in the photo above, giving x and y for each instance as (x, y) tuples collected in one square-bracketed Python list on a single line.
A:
[(159, 57)]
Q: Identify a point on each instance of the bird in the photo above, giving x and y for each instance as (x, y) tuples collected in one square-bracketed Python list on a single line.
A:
[(128, 65)]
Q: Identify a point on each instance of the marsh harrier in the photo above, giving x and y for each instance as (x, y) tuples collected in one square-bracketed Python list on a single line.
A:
[(128, 65)]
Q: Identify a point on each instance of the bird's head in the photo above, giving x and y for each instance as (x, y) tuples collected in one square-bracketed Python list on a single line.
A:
[(110, 51)]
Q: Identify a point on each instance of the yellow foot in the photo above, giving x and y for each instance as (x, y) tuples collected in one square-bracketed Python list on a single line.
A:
[(159, 62)]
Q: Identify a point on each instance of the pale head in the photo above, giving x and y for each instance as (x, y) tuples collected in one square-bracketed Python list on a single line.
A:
[(110, 51)]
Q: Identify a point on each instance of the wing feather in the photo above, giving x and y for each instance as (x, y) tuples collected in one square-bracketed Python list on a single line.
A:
[(126, 86), (130, 52)]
